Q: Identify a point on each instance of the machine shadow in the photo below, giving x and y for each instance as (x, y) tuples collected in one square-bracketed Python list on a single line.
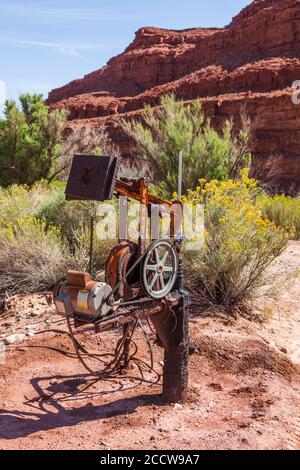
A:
[(19, 424)]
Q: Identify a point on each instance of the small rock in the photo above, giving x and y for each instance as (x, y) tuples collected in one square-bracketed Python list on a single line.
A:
[(177, 406), (244, 425), (35, 313), (14, 338), (27, 311), (283, 350), (162, 430), (216, 386), (30, 334)]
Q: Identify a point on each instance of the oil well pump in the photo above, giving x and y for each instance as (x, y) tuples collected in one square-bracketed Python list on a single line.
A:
[(143, 278)]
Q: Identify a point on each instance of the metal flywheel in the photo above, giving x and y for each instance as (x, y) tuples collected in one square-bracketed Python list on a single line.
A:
[(159, 269)]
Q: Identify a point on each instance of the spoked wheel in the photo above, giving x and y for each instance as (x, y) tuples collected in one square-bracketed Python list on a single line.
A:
[(159, 269)]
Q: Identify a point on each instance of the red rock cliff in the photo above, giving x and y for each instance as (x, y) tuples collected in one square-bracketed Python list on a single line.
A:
[(251, 63)]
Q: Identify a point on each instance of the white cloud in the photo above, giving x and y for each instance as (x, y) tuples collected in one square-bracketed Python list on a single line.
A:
[(2, 92), (48, 14), (67, 49)]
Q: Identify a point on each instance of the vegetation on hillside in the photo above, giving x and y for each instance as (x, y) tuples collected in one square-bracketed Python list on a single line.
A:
[(176, 126), (42, 235)]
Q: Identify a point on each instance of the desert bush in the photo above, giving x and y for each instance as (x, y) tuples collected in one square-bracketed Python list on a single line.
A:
[(31, 257), (21, 201), (74, 218), (284, 211), (86, 141), (174, 126), (42, 236), (68, 215), (30, 141), (240, 244), (81, 247)]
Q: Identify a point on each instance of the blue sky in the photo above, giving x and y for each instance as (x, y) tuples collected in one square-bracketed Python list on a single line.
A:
[(47, 43)]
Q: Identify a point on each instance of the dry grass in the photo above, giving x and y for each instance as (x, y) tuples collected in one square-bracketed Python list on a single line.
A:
[(31, 258)]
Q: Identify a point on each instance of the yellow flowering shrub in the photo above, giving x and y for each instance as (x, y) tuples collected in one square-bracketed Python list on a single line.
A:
[(239, 243), (284, 211), (42, 236), (21, 201)]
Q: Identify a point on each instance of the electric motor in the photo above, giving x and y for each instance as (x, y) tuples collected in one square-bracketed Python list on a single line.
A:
[(80, 296)]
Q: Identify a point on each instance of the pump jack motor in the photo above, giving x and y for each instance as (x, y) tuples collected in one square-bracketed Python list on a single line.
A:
[(139, 280)]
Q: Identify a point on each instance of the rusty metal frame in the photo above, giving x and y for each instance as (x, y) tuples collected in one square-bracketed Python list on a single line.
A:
[(170, 315)]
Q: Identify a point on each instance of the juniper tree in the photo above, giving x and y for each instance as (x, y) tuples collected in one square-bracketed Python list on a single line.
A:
[(30, 139)]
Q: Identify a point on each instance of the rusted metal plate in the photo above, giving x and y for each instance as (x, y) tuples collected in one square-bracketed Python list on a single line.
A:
[(92, 178), (79, 279)]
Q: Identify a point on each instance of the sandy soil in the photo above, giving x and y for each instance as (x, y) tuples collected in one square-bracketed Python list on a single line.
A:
[(244, 392), (283, 311)]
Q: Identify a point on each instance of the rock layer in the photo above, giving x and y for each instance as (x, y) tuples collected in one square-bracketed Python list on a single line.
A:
[(250, 64)]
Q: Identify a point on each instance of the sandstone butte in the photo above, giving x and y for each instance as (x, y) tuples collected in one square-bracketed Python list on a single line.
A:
[(248, 65)]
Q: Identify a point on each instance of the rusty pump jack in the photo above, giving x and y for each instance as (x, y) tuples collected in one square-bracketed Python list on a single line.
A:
[(140, 280)]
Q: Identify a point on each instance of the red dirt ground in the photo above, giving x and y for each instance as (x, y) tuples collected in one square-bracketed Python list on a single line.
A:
[(244, 393)]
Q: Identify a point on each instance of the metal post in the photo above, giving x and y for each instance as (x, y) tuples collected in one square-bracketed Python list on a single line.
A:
[(92, 223), (180, 175), (175, 380), (91, 245), (123, 220)]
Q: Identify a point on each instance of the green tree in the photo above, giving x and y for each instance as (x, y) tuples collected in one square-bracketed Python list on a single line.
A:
[(174, 126), (30, 139)]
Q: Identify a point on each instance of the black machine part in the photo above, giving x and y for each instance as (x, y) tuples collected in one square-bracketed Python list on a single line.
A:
[(92, 178)]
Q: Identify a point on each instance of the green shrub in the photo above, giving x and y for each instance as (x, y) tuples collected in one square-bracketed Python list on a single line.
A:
[(239, 244), (175, 126), (31, 257), (68, 215), (284, 211), (74, 219), (42, 236), (81, 248), (21, 201), (30, 141)]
